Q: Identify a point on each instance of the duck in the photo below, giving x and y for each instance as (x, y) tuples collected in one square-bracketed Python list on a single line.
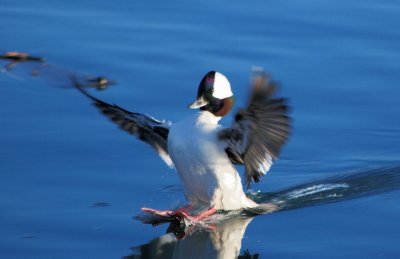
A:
[(204, 153)]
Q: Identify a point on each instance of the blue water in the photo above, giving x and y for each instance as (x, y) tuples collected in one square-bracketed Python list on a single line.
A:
[(71, 182)]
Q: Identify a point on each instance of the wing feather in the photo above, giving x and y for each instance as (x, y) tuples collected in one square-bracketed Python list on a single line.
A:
[(258, 131), (144, 127)]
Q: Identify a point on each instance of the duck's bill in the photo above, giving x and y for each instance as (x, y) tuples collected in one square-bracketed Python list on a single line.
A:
[(198, 103)]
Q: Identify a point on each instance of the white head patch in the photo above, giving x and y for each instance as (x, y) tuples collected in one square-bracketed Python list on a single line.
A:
[(222, 87)]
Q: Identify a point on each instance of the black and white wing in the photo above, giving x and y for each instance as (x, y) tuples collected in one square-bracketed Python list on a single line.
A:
[(258, 131), (144, 127)]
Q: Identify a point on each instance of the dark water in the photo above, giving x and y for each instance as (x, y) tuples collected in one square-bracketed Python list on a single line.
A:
[(71, 182)]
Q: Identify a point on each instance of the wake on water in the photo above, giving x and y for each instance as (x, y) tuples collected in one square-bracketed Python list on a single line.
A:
[(333, 189)]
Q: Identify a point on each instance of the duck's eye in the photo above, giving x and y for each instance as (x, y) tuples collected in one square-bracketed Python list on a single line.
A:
[(210, 90)]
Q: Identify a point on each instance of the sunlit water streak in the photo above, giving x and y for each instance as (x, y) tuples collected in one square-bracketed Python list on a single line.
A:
[(334, 189)]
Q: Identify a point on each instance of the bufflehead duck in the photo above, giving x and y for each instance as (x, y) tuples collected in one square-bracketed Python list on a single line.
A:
[(203, 152)]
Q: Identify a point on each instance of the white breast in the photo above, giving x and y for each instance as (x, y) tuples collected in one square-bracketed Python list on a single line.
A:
[(208, 176)]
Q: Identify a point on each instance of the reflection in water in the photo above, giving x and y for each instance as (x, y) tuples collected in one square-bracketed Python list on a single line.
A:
[(222, 234), (223, 240)]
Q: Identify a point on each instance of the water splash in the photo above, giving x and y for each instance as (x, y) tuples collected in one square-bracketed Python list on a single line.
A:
[(314, 189), (334, 189)]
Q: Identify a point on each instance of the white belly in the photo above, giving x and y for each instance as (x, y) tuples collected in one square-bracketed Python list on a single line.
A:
[(207, 175)]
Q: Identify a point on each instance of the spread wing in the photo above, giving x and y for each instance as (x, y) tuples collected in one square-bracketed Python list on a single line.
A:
[(258, 131), (142, 126)]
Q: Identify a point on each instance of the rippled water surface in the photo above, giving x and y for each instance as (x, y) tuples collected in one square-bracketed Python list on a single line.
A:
[(71, 182)]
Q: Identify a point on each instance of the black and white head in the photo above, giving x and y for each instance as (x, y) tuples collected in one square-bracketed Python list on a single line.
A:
[(214, 94)]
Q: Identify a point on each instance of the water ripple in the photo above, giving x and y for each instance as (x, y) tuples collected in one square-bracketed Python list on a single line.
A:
[(333, 189)]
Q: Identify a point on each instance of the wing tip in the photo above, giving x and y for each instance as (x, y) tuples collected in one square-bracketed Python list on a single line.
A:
[(253, 178)]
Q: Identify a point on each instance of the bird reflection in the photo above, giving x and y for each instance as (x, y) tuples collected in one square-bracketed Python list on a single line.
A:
[(223, 240), (221, 235)]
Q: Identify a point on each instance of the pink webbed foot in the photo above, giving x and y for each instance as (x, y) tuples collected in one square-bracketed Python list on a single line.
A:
[(199, 217), (182, 213), (160, 213)]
